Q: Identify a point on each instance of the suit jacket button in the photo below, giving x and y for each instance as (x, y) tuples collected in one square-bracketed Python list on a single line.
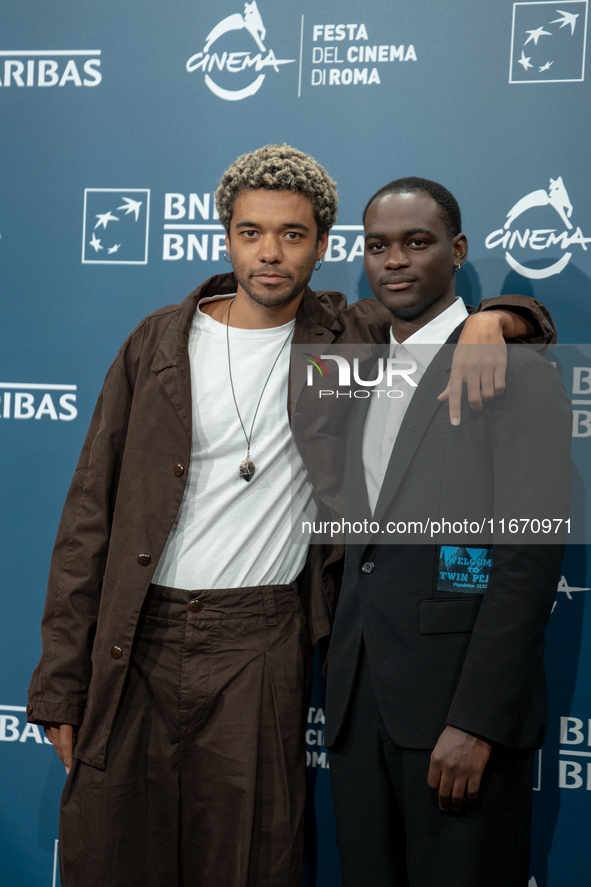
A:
[(368, 567), (116, 652), (144, 559), (196, 606), (178, 470)]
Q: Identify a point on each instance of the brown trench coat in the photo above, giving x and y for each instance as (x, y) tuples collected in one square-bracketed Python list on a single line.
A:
[(125, 496)]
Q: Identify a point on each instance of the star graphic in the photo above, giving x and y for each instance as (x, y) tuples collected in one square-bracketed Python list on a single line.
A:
[(569, 18), (546, 67), (567, 589), (535, 35), (113, 249), (95, 243), (105, 218), (523, 61), (131, 206)]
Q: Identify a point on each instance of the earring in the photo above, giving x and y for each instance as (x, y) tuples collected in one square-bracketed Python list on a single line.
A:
[(319, 263), (227, 258), (457, 268)]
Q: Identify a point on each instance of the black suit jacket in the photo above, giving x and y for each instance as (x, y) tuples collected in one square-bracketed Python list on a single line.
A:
[(437, 657)]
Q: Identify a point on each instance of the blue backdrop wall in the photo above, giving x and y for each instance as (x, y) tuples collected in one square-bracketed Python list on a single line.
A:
[(129, 113)]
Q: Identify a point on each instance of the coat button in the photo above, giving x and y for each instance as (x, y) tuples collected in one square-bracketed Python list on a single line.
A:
[(178, 469), (368, 567), (144, 559), (116, 652), (196, 606)]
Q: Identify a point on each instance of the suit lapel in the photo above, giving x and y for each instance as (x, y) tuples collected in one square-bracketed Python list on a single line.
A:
[(355, 486), (417, 419)]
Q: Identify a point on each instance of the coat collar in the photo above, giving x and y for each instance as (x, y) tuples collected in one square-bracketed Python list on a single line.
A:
[(316, 319), (316, 322)]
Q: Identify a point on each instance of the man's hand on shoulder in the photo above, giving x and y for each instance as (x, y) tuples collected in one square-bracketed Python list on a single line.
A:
[(457, 764), (482, 368), (63, 738)]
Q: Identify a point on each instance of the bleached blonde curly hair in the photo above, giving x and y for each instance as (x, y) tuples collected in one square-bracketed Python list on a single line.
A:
[(279, 168)]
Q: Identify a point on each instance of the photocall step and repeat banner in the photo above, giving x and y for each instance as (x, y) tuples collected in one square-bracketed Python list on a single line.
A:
[(118, 120)]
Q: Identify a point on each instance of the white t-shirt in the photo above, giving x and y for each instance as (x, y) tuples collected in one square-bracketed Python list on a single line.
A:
[(230, 533)]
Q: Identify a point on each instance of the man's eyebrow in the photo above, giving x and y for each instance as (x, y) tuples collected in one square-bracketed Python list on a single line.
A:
[(290, 225), (297, 225), (373, 235)]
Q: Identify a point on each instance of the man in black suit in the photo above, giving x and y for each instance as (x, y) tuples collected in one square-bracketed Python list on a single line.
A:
[(436, 695)]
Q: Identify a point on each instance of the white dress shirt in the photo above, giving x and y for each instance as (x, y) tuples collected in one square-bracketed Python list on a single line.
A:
[(386, 413)]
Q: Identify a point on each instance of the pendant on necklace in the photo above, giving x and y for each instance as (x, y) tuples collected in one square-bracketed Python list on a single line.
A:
[(247, 470)]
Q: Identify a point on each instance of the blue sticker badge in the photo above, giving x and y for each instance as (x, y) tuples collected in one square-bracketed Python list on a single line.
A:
[(464, 569)]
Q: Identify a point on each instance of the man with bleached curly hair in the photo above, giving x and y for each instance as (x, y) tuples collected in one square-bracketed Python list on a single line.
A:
[(180, 618)]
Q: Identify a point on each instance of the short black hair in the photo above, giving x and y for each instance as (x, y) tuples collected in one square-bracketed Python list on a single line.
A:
[(448, 205)]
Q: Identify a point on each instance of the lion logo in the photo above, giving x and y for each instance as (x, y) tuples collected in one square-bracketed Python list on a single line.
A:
[(251, 20)]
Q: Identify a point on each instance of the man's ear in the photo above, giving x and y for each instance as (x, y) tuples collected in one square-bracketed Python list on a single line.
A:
[(322, 245), (460, 249), (227, 242)]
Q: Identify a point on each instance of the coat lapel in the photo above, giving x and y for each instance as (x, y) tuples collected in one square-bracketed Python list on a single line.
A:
[(171, 360), (316, 327)]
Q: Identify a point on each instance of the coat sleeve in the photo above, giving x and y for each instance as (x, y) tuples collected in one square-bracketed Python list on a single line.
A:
[(504, 663), (530, 309), (60, 681)]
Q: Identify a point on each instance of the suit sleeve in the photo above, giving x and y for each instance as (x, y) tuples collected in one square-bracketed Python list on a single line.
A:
[(60, 682), (504, 663)]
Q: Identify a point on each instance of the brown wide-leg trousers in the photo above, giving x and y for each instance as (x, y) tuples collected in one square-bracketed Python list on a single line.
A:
[(205, 776)]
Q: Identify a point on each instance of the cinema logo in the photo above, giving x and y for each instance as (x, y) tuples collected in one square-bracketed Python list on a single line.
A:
[(538, 240), (574, 766), (343, 55), (19, 400), (385, 370), (242, 63), (50, 67), (14, 727)]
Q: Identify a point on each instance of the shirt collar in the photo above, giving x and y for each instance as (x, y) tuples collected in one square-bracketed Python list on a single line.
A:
[(434, 333)]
